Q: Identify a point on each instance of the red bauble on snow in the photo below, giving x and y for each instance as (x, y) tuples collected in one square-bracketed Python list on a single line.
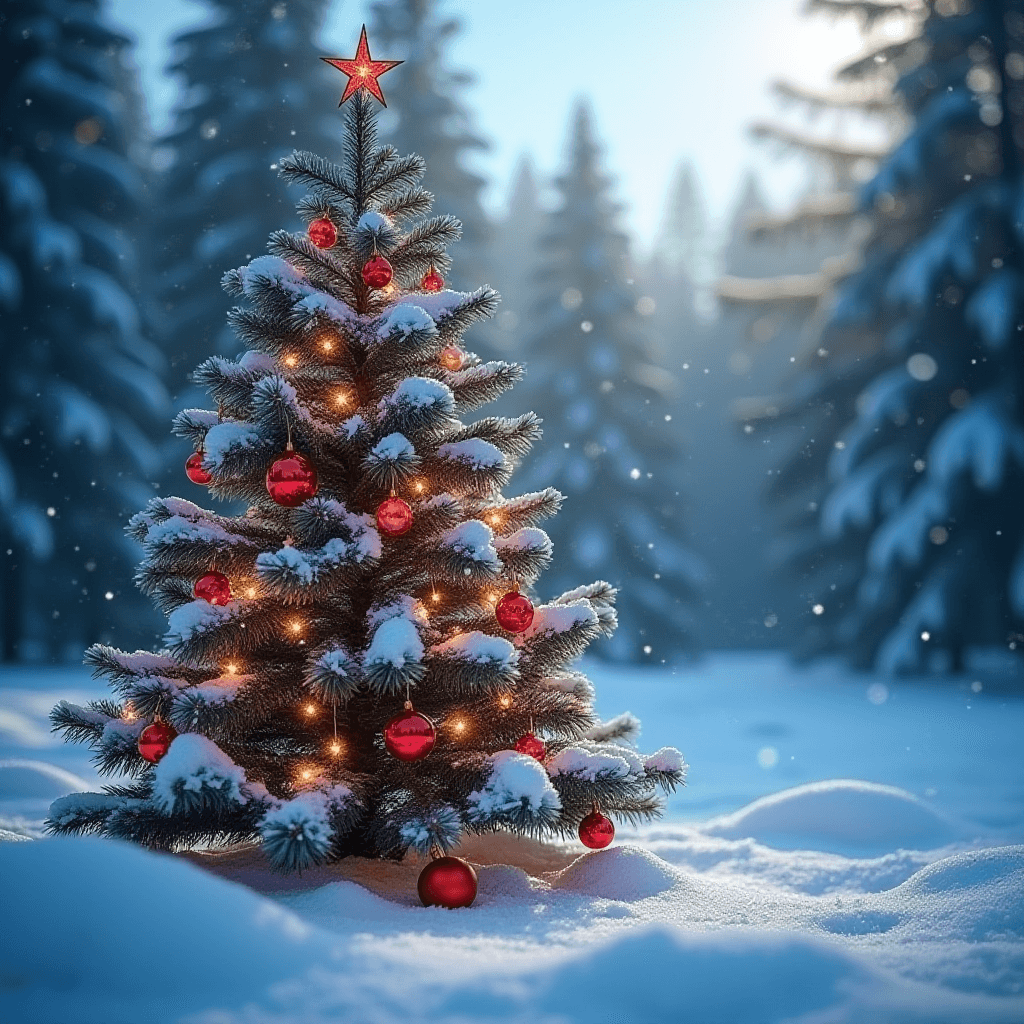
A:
[(596, 831), (322, 233), (377, 273), (394, 517), (291, 480), (194, 469), (409, 736), (447, 882), (155, 740), (514, 612), (432, 281), (451, 357), (213, 587), (531, 746)]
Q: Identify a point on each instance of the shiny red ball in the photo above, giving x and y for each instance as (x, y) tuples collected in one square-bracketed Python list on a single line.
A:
[(213, 587), (447, 882), (409, 736), (322, 233), (394, 517), (291, 480), (452, 357), (194, 469), (377, 273), (596, 831), (432, 281), (514, 612), (155, 740), (531, 746)]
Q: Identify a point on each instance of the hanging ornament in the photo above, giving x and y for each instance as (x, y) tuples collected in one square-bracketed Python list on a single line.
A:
[(409, 736), (514, 611), (322, 233), (155, 740), (213, 587), (531, 746), (596, 831), (194, 469), (451, 357), (394, 516), (447, 882), (362, 71), (377, 272), (432, 280), (292, 479)]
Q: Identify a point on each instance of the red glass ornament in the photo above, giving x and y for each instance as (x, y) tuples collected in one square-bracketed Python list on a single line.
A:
[(394, 517), (194, 469), (322, 233), (155, 740), (377, 273), (451, 357), (596, 831), (291, 480), (514, 612), (531, 746), (409, 736), (447, 882), (213, 587), (432, 281)]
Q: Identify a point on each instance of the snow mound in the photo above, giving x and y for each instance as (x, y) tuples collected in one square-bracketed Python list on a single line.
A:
[(838, 816), (624, 873), (37, 780), (6, 836)]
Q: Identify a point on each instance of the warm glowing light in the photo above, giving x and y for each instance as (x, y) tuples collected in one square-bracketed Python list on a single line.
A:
[(310, 709), (335, 748), (342, 398), (327, 345), (459, 725), (290, 360), (296, 625), (250, 592), (492, 597), (505, 701), (363, 70), (419, 486), (128, 712), (305, 775), (494, 520), (231, 668), (435, 596)]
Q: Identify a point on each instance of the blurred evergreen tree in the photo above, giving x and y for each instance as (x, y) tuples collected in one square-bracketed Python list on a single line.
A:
[(252, 89), (919, 536), (604, 402), (426, 116), (80, 391)]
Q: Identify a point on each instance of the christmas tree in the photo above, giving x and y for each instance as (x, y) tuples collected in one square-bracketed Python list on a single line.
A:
[(377, 567), (81, 399), (609, 441)]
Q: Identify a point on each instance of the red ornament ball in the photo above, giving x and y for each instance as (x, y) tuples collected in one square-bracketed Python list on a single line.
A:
[(432, 281), (322, 233), (194, 469), (514, 612), (596, 831), (213, 587), (291, 480), (409, 736), (394, 517), (531, 746), (451, 357), (447, 882), (377, 273), (155, 740)]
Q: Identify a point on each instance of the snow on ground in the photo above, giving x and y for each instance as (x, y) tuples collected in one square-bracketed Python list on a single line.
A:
[(845, 851)]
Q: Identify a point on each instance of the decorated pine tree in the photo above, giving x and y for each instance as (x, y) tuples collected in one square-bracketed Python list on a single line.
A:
[(357, 664)]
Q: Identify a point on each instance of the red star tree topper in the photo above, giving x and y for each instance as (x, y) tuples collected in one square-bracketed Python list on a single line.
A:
[(362, 71)]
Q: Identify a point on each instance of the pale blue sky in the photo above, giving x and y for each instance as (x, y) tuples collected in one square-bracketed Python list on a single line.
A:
[(669, 80)]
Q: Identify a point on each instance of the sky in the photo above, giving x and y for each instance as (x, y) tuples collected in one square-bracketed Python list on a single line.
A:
[(669, 81)]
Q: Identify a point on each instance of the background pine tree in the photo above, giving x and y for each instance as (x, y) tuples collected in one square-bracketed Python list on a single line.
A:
[(250, 78), (81, 396), (603, 398)]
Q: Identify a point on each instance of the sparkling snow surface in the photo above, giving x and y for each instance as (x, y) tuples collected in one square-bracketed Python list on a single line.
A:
[(770, 892)]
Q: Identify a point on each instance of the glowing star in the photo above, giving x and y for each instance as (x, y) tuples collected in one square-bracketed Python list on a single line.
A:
[(362, 71)]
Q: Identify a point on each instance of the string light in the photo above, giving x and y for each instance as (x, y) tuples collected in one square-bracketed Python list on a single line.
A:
[(342, 398), (296, 625), (310, 709), (494, 519), (291, 360), (419, 486), (128, 712), (435, 596), (250, 592), (327, 345), (505, 701), (231, 668), (335, 748), (459, 725)]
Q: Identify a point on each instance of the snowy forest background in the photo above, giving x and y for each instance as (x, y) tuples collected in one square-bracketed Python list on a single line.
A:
[(796, 422)]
